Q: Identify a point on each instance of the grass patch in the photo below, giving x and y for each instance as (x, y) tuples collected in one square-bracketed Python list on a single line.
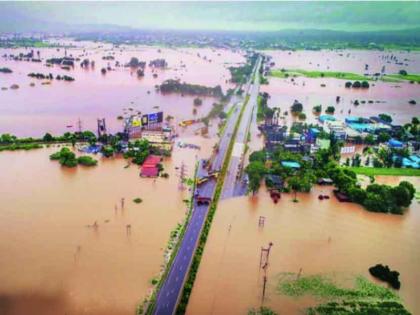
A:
[(20, 146), (393, 78), (364, 297), (372, 171), (408, 77), (323, 287), (318, 74)]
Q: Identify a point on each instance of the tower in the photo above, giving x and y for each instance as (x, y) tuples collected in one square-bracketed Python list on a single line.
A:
[(101, 127)]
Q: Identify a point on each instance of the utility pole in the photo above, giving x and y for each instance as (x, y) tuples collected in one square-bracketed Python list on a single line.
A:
[(261, 221), (264, 255), (79, 125)]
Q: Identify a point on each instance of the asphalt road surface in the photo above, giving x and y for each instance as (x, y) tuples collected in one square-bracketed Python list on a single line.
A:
[(169, 293), (234, 184)]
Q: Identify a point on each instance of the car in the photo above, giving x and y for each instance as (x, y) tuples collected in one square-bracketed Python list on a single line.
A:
[(201, 200)]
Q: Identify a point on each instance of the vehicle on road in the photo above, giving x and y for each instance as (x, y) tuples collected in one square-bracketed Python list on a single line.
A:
[(201, 200)]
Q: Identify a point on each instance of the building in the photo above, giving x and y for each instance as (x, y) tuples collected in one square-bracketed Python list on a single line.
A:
[(337, 128), (150, 166), (161, 138)]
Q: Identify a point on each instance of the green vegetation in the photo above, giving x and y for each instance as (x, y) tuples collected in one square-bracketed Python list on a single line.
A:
[(283, 73), (296, 108), (364, 298), (323, 287), (376, 198), (20, 146), (68, 159), (87, 161), (5, 70), (11, 142), (175, 86), (298, 180), (373, 171), (323, 164), (137, 200), (241, 74), (65, 157), (138, 151), (317, 109), (263, 111), (261, 311), (385, 274), (330, 110), (360, 80), (50, 76), (407, 77), (25, 42), (358, 307)]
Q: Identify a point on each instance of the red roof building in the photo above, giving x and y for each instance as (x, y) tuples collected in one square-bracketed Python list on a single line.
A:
[(149, 167)]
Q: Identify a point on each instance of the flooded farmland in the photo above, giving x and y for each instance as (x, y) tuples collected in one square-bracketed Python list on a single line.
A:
[(381, 97), (32, 111), (52, 262), (316, 236)]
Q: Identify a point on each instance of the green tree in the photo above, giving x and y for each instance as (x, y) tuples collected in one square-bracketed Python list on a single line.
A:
[(258, 156), (87, 161), (296, 108), (48, 137), (385, 117), (255, 171), (383, 137), (330, 110), (357, 194), (369, 139)]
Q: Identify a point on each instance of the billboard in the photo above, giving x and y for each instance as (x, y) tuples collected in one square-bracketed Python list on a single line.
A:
[(153, 118), (135, 122)]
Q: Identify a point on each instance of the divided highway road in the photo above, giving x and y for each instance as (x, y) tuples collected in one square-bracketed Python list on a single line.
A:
[(233, 184), (170, 292)]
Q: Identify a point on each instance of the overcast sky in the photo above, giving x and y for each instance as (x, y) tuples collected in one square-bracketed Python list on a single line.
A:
[(259, 16)]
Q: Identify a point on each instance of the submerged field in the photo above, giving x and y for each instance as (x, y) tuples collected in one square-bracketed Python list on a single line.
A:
[(309, 237), (53, 261), (56, 107)]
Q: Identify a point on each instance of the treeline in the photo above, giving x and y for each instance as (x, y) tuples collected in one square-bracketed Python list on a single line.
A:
[(9, 140), (357, 84), (264, 112), (240, 74), (5, 70), (175, 86), (50, 76), (64, 61)]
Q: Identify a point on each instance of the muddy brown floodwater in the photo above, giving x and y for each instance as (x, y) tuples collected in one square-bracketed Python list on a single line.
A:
[(52, 263), (229, 280), (32, 111), (386, 97)]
